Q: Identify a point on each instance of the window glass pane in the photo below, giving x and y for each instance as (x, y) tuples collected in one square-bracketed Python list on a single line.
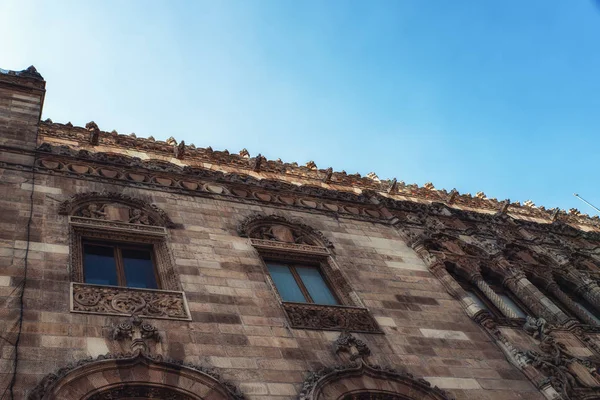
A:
[(286, 284), (139, 271), (512, 305), (316, 286), (477, 300), (99, 265)]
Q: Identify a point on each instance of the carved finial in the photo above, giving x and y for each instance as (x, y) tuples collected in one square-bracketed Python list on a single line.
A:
[(356, 348), (179, 150), (245, 153), (328, 174), (373, 176), (480, 195), (504, 206), (393, 186), (452, 196), (94, 132), (429, 186), (311, 164), (256, 163), (171, 141), (91, 126)]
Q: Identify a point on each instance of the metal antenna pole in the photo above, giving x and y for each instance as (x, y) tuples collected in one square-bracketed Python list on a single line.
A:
[(586, 202)]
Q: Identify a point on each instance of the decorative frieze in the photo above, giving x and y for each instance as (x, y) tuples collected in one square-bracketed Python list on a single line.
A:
[(114, 300), (325, 317)]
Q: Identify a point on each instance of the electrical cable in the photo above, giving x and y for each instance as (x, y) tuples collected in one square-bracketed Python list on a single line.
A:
[(13, 380)]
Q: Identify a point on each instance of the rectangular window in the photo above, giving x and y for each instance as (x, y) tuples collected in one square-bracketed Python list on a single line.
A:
[(301, 284), (119, 265)]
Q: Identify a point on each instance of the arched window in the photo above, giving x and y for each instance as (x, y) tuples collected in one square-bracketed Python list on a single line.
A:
[(363, 381), (132, 377)]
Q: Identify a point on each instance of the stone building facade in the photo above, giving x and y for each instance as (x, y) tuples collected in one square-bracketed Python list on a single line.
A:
[(132, 268)]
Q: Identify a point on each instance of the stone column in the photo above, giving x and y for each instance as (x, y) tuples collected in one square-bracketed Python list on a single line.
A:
[(591, 292), (535, 300), (492, 296), (555, 290)]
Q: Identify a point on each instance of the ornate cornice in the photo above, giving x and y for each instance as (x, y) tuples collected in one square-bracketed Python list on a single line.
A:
[(312, 175)]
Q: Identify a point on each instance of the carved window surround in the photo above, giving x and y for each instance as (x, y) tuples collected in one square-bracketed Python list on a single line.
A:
[(167, 303), (348, 317), (123, 301)]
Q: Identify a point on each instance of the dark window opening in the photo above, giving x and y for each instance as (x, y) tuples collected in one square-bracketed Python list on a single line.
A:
[(301, 284), (119, 265)]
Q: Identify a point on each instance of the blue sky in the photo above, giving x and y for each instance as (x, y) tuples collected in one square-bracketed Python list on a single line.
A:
[(502, 97)]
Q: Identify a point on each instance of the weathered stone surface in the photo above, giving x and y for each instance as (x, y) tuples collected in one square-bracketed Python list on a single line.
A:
[(394, 252)]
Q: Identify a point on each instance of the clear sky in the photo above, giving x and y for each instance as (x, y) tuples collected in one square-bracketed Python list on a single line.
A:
[(495, 96)]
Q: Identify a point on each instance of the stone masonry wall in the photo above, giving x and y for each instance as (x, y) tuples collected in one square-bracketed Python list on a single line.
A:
[(237, 324)]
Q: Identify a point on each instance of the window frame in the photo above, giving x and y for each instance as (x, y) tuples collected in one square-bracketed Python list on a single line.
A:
[(117, 247), (292, 267)]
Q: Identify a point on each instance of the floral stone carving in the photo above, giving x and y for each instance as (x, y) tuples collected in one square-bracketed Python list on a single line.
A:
[(114, 300), (346, 343), (337, 318)]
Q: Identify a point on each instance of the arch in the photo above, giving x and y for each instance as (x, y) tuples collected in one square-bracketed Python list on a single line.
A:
[(361, 381), (78, 203), (133, 375), (278, 228)]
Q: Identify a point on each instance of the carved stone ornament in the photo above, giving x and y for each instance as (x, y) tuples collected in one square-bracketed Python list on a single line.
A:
[(115, 300), (324, 317), (137, 331), (116, 376), (115, 207), (574, 377), (280, 229), (367, 382), (346, 343), (535, 327)]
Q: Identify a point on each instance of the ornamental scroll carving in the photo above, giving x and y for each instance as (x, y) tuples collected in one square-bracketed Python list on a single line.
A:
[(114, 300), (115, 207), (337, 318), (279, 229)]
